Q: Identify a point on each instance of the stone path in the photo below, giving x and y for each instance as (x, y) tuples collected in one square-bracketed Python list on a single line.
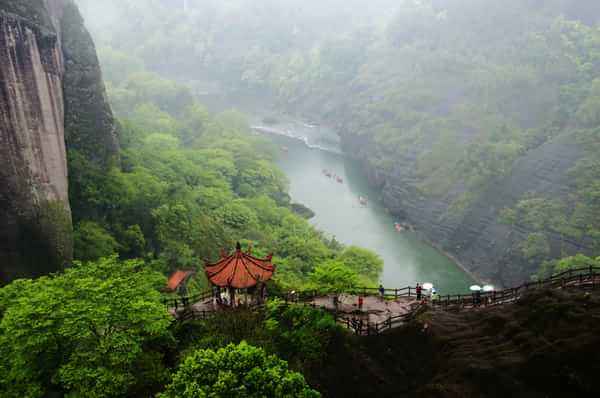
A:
[(374, 309)]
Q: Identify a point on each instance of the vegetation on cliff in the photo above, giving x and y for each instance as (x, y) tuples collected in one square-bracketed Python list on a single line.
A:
[(452, 93), (190, 184), (101, 329)]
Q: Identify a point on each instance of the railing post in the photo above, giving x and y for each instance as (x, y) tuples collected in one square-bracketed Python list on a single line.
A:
[(409, 291), (396, 294)]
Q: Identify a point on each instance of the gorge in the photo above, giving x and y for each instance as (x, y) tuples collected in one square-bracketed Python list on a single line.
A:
[(294, 155)]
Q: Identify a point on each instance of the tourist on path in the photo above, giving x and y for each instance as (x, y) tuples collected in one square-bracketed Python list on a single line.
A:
[(360, 302), (477, 298), (419, 292), (381, 291)]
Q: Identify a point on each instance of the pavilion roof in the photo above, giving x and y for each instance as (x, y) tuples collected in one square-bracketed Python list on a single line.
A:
[(177, 278), (239, 270)]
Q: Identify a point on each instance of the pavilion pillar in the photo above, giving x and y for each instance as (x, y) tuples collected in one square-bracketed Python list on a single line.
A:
[(232, 296)]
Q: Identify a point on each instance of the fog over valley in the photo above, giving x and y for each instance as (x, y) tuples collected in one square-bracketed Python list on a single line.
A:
[(299, 198)]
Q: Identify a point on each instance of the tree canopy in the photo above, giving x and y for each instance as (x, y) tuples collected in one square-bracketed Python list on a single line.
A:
[(86, 332), (236, 371)]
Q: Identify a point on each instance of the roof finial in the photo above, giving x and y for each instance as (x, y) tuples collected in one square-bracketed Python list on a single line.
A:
[(238, 247)]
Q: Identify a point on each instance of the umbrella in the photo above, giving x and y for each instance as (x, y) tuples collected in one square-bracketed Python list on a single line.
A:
[(488, 288), (427, 286), (475, 288)]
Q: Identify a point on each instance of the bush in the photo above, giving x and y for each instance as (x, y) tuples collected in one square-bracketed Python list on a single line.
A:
[(240, 371)]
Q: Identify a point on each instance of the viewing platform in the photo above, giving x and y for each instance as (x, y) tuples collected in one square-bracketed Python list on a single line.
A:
[(390, 310)]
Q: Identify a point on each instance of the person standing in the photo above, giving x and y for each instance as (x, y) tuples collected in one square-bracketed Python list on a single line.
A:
[(360, 302), (419, 290), (381, 291)]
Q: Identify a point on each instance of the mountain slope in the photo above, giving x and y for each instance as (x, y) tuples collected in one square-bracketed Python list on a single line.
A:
[(48, 70)]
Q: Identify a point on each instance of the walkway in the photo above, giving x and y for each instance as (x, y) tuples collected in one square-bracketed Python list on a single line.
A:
[(398, 305)]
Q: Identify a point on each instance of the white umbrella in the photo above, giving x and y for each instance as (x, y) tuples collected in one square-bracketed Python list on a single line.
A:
[(475, 288), (488, 288), (427, 286)]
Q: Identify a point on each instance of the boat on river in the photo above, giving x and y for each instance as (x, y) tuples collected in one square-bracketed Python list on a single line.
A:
[(339, 179), (362, 200), (399, 227)]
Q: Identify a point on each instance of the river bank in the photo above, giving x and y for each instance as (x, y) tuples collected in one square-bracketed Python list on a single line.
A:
[(304, 140), (338, 212)]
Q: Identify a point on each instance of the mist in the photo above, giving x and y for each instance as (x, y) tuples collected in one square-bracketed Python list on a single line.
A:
[(448, 101), (299, 198)]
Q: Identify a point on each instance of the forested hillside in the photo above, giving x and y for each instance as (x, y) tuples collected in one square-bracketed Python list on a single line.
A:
[(190, 184), (166, 186), (477, 119)]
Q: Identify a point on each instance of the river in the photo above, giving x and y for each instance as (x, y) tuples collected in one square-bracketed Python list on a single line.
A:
[(338, 212), (407, 259)]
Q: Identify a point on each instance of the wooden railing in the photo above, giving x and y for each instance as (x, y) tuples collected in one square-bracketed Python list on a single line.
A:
[(362, 328), (580, 278), (183, 302), (307, 295)]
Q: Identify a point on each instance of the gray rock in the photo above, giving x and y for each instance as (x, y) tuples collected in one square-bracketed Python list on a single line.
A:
[(477, 239), (39, 96)]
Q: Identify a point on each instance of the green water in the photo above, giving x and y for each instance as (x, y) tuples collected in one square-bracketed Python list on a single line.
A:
[(338, 212)]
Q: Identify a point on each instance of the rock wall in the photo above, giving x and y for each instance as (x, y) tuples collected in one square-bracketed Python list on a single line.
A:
[(35, 218), (477, 239)]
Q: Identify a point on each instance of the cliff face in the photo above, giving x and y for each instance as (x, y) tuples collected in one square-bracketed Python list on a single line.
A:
[(477, 238), (45, 70)]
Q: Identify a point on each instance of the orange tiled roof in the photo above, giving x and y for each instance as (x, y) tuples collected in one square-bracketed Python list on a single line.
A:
[(240, 270), (177, 278)]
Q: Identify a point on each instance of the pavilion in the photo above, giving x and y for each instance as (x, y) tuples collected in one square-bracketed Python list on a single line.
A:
[(178, 280), (240, 270)]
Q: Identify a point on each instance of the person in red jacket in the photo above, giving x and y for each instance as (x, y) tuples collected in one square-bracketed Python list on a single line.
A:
[(360, 302), (419, 292)]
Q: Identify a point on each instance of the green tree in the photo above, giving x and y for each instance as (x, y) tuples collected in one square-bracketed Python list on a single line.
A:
[(240, 371), (334, 275), (94, 331), (237, 215), (300, 333), (363, 262), (92, 241)]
